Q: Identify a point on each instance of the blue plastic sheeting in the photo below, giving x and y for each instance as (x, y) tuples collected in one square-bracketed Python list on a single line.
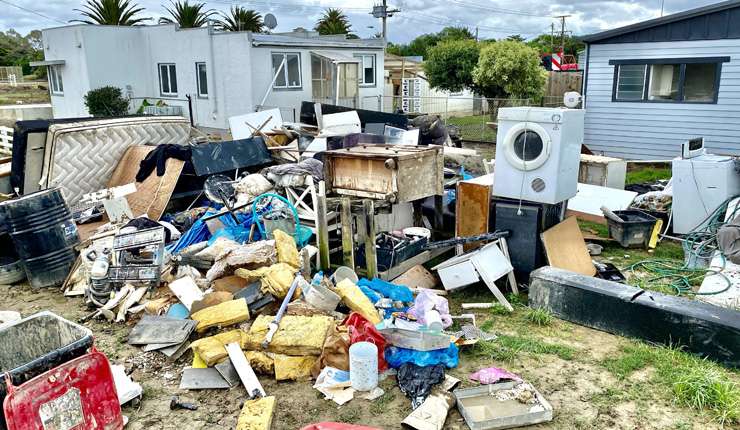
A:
[(394, 292), (370, 294), (239, 232), (396, 356)]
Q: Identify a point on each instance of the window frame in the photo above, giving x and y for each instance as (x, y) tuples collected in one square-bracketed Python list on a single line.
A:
[(287, 86), (198, 64), (56, 83), (681, 62), (170, 67), (362, 67)]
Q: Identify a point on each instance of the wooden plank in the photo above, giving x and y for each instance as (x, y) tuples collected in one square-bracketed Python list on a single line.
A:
[(371, 257), (322, 225), (472, 208), (348, 244), (566, 249), (490, 282), (246, 374), (512, 279)]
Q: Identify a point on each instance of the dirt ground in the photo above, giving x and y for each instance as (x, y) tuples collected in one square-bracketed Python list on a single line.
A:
[(584, 394)]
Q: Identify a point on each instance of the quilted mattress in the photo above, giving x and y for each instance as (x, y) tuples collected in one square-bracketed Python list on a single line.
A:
[(81, 157)]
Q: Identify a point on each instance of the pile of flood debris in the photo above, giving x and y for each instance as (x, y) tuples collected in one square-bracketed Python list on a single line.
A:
[(295, 251)]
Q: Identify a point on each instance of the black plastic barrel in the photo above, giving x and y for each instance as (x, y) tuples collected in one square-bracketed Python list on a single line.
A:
[(44, 235)]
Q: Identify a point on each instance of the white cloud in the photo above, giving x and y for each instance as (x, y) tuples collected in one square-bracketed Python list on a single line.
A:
[(417, 16)]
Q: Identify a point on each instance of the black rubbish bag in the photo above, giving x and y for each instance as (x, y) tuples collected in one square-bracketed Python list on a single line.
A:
[(416, 382)]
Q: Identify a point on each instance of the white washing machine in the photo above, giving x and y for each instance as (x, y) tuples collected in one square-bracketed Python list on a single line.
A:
[(538, 153)]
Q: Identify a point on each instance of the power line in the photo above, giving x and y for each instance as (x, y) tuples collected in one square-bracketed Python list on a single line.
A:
[(497, 9), (443, 21), (33, 12)]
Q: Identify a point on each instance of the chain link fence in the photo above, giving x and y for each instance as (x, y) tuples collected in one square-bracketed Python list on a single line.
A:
[(475, 117)]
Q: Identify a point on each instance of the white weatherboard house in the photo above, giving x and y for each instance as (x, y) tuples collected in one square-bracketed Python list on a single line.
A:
[(223, 73), (651, 86)]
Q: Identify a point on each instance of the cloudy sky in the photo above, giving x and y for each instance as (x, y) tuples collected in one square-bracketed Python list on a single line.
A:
[(494, 18)]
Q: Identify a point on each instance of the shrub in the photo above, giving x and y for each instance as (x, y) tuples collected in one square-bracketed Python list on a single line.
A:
[(106, 101)]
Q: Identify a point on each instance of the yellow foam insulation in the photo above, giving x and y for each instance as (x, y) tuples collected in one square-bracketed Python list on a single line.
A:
[(222, 315), (275, 279), (287, 251), (297, 335), (354, 299), (212, 350), (256, 414), (261, 362), (198, 363), (289, 368)]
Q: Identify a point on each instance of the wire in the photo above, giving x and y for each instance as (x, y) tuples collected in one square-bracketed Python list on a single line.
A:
[(498, 9), (33, 12)]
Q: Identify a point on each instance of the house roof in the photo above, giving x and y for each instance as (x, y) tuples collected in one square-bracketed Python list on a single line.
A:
[(715, 21), (314, 42)]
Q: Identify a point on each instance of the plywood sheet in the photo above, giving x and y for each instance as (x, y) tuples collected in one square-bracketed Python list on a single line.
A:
[(473, 206), (566, 249), (152, 195)]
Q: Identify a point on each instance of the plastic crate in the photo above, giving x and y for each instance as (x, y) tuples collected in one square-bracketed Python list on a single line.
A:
[(636, 229), (37, 344)]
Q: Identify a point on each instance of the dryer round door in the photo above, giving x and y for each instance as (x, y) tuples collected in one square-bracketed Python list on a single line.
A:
[(527, 146)]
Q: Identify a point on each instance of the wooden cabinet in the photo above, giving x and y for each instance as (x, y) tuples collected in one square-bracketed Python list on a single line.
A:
[(387, 172)]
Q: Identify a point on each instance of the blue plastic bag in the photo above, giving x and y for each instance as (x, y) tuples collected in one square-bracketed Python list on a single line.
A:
[(394, 292), (396, 356), (370, 294)]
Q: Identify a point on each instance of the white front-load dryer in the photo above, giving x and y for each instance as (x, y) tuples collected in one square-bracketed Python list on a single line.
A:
[(538, 153)]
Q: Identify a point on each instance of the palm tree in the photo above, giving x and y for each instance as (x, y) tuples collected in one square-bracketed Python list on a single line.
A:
[(187, 15), (333, 21), (241, 19), (111, 12)]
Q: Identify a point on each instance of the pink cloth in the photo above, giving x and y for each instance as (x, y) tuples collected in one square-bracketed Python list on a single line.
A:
[(491, 375)]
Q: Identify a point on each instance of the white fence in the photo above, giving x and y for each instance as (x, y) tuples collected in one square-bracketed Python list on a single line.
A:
[(11, 75), (6, 141)]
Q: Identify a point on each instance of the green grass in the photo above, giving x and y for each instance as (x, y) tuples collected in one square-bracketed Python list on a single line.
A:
[(474, 127), (540, 316), (647, 174), (381, 404), (693, 382), (499, 309), (507, 348)]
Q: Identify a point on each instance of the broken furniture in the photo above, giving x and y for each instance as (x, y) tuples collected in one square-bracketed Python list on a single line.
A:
[(702, 328), (488, 263), (602, 171), (473, 207), (137, 257), (385, 172)]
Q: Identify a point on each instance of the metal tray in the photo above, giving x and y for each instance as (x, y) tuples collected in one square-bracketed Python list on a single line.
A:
[(483, 411)]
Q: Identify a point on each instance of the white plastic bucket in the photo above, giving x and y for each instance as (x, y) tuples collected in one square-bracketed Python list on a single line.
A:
[(342, 273), (363, 366)]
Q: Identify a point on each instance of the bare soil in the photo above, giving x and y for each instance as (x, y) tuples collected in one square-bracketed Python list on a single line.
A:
[(25, 93), (583, 393)]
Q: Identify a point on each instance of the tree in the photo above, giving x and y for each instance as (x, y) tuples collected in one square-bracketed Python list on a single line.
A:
[(106, 101), (111, 12), (187, 15), (512, 68), (516, 38), (333, 21), (420, 46), (241, 19), (17, 50), (450, 64), (545, 42)]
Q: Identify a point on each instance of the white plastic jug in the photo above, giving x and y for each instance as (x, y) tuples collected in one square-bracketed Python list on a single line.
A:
[(363, 366)]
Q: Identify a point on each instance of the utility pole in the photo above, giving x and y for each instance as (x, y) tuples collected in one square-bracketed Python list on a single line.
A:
[(476, 33), (562, 32), (382, 12)]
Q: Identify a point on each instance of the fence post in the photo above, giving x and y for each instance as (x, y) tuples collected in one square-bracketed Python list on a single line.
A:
[(447, 108), (380, 103)]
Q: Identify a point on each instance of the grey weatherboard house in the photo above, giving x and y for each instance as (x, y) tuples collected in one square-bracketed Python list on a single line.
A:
[(650, 86)]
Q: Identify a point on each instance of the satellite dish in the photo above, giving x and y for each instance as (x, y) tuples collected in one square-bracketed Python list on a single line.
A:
[(270, 21), (572, 99)]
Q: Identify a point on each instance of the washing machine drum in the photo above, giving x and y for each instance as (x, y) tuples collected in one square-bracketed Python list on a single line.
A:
[(527, 146)]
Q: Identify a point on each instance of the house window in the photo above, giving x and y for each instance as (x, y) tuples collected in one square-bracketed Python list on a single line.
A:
[(367, 69), (289, 76), (678, 80), (55, 80), (201, 78), (167, 80)]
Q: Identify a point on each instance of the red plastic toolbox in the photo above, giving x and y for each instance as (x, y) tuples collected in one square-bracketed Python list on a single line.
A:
[(77, 395)]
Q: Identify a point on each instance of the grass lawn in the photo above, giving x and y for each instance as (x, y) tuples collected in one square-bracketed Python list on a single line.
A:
[(474, 127), (648, 174), (26, 93)]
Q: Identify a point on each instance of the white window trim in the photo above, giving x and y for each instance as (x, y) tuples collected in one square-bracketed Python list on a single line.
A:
[(197, 80), (287, 85), (56, 83), (169, 75), (362, 69)]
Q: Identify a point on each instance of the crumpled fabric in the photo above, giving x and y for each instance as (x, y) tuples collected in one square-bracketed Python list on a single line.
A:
[(251, 186), (416, 382), (492, 375), (362, 330), (158, 158), (251, 256), (425, 302), (309, 166)]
